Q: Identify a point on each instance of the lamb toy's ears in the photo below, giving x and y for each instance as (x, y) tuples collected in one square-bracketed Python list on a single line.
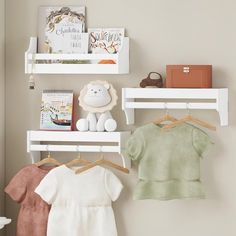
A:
[(89, 86), (107, 86)]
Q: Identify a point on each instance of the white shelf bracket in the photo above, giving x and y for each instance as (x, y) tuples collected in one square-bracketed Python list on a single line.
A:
[(35, 156), (129, 112), (223, 106), (124, 56), (33, 45), (31, 50)]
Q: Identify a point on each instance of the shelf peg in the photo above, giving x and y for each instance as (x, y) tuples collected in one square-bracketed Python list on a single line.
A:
[(187, 107), (166, 107), (47, 148)]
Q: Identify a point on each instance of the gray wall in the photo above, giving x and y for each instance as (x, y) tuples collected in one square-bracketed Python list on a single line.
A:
[(2, 90), (162, 32)]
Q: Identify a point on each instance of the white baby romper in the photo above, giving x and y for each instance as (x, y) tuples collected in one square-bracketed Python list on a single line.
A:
[(81, 204)]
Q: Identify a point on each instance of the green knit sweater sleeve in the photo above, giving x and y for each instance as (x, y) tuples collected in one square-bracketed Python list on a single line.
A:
[(135, 146), (201, 142)]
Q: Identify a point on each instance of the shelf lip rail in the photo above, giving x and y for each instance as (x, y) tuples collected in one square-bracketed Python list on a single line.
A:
[(74, 136), (172, 93), (74, 56), (73, 148), (169, 105)]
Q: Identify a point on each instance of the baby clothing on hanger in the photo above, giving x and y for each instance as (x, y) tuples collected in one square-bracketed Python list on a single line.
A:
[(169, 161), (81, 204), (33, 214)]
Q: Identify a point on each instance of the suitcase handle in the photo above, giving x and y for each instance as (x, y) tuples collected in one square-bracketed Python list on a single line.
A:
[(152, 82)]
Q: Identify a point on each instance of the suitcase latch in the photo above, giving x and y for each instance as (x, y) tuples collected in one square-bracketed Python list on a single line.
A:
[(186, 69)]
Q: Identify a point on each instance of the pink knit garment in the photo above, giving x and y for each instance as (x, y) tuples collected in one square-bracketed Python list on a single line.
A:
[(33, 214)]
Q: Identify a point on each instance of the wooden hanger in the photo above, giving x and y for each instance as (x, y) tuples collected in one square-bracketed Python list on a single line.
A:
[(77, 161), (102, 161), (190, 118), (166, 117), (48, 160)]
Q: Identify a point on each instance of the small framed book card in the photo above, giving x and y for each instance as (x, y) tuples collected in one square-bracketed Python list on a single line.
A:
[(61, 30), (107, 40), (57, 110)]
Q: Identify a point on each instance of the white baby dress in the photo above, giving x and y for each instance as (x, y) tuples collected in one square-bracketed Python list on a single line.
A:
[(81, 204)]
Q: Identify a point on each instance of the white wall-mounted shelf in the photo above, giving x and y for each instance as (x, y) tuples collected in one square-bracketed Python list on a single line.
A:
[(217, 99), (48, 63), (74, 141)]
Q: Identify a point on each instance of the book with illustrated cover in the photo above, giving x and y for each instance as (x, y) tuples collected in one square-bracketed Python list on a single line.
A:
[(57, 110), (61, 30), (107, 40)]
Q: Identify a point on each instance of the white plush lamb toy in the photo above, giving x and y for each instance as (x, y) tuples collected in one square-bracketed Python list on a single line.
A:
[(98, 98)]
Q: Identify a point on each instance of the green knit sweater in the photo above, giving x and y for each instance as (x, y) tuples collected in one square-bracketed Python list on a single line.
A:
[(169, 161)]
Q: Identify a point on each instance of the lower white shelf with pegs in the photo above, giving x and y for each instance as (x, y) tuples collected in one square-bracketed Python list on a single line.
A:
[(74, 141)]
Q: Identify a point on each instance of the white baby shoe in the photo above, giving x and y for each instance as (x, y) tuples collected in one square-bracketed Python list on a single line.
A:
[(4, 221)]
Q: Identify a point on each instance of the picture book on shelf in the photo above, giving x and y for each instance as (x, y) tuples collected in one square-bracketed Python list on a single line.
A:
[(107, 40), (57, 110), (61, 30)]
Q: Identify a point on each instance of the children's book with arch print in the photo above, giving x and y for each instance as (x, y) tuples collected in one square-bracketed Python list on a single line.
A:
[(57, 110)]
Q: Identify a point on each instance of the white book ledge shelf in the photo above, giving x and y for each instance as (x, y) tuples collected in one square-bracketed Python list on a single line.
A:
[(74, 141), (40, 63), (217, 99)]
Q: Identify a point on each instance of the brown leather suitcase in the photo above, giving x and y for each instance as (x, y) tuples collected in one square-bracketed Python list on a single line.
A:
[(189, 76)]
